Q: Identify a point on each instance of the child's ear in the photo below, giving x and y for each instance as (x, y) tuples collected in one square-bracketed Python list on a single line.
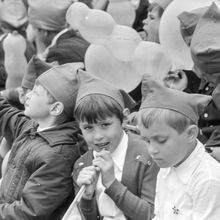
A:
[(57, 108), (192, 132)]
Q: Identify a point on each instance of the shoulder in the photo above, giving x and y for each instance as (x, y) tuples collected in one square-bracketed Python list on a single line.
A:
[(206, 174), (84, 160), (138, 150), (137, 144)]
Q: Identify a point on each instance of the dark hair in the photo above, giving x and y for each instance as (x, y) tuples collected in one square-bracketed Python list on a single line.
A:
[(93, 108), (174, 119), (160, 10)]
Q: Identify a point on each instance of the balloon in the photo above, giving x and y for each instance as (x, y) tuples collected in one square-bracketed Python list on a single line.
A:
[(76, 13), (151, 58), (100, 62), (14, 46), (122, 11), (97, 26), (135, 3), (123, 42), (169, 32)]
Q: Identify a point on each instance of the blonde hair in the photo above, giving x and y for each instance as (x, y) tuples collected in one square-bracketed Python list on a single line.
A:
[(174, 119)]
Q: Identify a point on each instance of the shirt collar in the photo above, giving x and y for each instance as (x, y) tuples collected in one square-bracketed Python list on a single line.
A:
[(119, 154), (185, 170)]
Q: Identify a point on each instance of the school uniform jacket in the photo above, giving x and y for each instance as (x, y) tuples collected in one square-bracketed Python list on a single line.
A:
[(37, 184), (135, 194)]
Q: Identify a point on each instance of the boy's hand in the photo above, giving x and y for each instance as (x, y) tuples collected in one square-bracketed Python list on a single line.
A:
[(104, 162), (88, 176)]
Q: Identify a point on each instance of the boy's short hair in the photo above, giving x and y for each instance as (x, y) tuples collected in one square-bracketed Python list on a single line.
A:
[(174, 119), (162, 3), (96, 107), (154, 5)]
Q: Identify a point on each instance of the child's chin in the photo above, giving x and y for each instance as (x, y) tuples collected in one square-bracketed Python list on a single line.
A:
[(26, 113)]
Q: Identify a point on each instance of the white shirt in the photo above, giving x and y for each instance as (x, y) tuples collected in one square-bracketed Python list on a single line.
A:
[(190, 191), (107, 208)]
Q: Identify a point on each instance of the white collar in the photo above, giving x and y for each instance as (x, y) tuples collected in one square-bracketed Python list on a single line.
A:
[(42, 129), (119, 154), (186, 169)]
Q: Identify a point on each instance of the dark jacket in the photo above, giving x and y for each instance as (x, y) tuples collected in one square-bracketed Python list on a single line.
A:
[(134, 195), (37, 183)]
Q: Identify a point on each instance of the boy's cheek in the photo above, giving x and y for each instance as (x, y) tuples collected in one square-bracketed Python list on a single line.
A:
[(153, 31)]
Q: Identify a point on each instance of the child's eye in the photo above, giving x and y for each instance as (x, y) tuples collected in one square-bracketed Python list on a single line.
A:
[(87, 127), (151, 17), (104, 125), (161, 140)]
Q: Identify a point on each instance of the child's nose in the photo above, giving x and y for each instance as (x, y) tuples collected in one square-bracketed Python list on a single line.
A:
[(145, 21), (98, 135), (153, 150), (28, 95)]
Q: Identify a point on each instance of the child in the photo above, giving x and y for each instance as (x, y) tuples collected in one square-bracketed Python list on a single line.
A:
[(200, 29), (37, 183), (125, 187), (188, 184), (16, 97), (47, 19), (152, 22)]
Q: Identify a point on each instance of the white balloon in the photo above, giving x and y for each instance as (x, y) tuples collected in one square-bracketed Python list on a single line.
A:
[(123, 11), (150, 58), (123, 42), (76, 13), (100, 62), (97, 26)]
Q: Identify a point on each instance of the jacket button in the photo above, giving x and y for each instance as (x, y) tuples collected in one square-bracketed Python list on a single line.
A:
[(206, 115), (138, 157)]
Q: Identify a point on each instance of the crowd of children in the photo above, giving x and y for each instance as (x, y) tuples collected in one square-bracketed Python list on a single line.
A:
[(149, 154)]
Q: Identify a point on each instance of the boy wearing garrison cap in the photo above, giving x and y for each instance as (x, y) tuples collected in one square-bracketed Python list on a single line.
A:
[(16, 97), (188, 183), (37, 183), (201, 28), (119, 173)]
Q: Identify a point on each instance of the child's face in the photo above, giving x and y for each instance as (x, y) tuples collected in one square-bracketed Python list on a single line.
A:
[(151, 25), (105, 134), (166, 146), (23, 94), (37, 103)]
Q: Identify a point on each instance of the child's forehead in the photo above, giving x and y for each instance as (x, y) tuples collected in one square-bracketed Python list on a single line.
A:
[(99, 120), (154, 7), (157, 127)]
